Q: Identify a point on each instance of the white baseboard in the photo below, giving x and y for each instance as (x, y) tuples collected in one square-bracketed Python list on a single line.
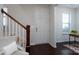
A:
[(53, 45), (38, 43)]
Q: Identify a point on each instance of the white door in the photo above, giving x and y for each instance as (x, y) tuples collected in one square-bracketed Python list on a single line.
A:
[(41, 25)]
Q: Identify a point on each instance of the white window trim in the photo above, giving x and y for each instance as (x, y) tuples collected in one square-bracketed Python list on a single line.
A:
[(69, 23)]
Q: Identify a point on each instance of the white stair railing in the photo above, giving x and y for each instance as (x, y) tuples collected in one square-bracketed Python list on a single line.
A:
[(13, 27)]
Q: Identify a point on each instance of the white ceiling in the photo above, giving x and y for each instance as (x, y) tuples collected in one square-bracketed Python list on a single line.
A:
[(69, 5), (59, 5)]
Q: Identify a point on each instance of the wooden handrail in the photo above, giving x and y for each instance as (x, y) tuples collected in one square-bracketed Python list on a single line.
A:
[(13, 19)]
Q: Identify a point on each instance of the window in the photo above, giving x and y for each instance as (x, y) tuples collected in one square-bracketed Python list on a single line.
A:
[(66, 22), (5, 17)]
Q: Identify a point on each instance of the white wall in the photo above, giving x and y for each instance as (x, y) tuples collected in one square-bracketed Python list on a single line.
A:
[(59, 37), (52, 41), (77, 21), (77, 17), (26, 14), (1, 27), (56, 34)]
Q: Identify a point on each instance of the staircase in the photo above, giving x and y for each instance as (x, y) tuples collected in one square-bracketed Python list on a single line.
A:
[(15, 28)]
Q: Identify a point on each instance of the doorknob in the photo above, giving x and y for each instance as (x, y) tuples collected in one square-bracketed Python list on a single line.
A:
[(36, 29)]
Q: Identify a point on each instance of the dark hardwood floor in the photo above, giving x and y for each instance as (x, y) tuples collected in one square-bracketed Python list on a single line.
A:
[(46, 49)]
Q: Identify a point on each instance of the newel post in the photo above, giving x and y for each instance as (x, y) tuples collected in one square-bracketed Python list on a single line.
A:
[(27, 38)]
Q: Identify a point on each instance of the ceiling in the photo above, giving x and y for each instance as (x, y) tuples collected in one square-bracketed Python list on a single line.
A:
[(69, 5), (59, 5)]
